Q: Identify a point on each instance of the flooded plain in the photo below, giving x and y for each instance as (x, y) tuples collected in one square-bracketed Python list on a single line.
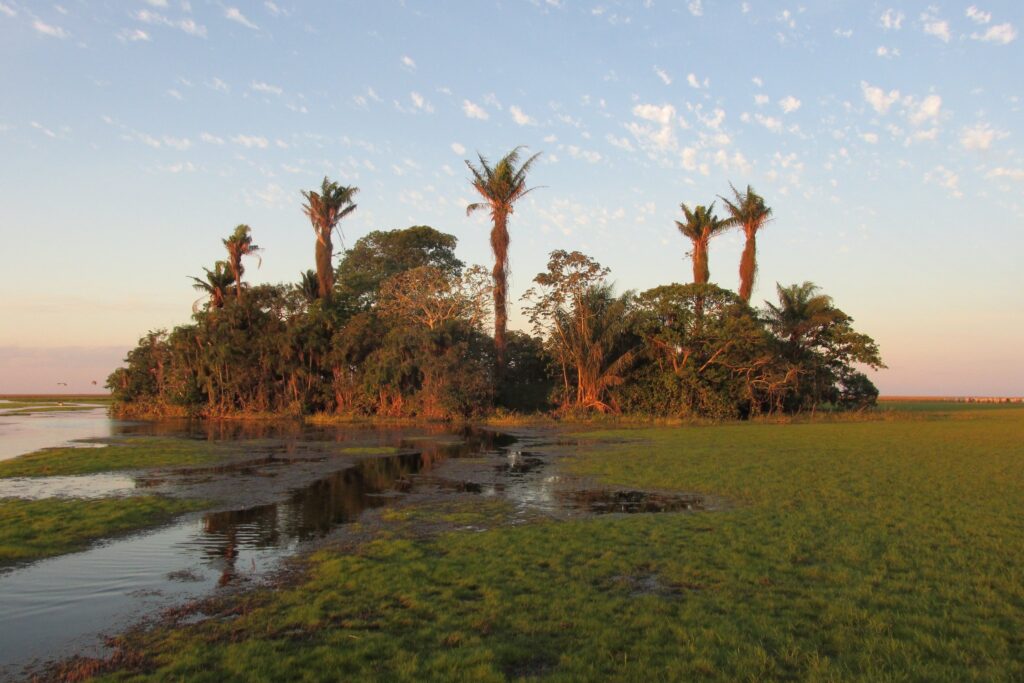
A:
[(293, 487)]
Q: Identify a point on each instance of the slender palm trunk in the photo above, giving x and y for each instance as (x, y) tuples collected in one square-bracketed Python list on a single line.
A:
[(236, 272), (748, 267), (701, 272), (324, 271), (499, 244)]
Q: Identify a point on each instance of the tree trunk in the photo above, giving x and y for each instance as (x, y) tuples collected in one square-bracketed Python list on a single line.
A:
[(324, 269), (701, 272), (499, 245), (748, 267)]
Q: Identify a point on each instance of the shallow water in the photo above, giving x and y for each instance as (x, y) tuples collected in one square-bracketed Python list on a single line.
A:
[(24, 433), (64, 605)]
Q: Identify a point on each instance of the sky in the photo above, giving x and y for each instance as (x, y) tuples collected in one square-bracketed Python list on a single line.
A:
[(886, 136)]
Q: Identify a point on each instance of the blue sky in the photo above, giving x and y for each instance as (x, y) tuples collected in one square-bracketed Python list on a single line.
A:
[(886, 136)]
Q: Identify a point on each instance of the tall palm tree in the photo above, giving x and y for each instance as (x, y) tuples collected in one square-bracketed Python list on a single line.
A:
[(750, 213), (215, 284), (240, 244), (700, 226), (501, 186), (802, 309), (325, 209)]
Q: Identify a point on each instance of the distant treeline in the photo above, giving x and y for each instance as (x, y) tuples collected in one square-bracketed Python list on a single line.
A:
[(399, 328)]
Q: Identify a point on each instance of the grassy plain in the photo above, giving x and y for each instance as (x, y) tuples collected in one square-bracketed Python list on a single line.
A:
[(131, 454), (33, 529), (876, 551)]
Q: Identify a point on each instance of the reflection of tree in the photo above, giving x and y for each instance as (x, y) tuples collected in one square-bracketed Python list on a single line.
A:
[(315, 510)]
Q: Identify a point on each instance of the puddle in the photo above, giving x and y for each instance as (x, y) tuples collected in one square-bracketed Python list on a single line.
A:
[(299, 493), (79, 486), (600, 501)]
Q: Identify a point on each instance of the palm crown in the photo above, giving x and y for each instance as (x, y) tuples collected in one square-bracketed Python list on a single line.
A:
[(700, 226)]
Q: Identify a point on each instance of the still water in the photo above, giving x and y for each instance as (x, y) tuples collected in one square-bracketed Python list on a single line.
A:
[(289, 494)]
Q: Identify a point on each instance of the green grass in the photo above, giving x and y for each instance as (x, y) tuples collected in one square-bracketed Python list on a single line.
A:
[(871, 551), (130, 454), (33, 529)]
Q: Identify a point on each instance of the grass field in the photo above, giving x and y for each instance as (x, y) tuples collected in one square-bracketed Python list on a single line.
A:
[(137, 453), (33, 529), (876, 551)]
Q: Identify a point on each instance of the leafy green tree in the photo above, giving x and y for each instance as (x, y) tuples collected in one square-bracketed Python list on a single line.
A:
[(819, 342), (325, 210), (700, 227), (703, 353), (432, 298), (239, 245), (381, 255), (501, 186), (584, 326), (748, 211)]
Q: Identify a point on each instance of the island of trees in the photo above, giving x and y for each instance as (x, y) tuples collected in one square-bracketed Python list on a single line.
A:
[(400, 327)]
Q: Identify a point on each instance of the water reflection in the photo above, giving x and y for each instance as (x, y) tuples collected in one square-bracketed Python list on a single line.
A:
[(24, 433)]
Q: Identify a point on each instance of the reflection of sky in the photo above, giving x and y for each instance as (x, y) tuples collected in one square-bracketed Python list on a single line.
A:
[(26, 433), (84, 486)]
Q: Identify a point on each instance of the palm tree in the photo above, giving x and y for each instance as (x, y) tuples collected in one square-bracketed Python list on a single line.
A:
[(700, 226), (309, 286), (325, 209), (802, 309), (240, 244), (750, 213), (501, 185), (215, 284)]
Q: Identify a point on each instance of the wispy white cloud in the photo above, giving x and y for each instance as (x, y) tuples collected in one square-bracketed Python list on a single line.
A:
[(419, 102), (266, 88), (980, 136), (187, 25), (1002, 34), (944, 177), (520, 117), (696, 7), (8, 10), (622, 143), (879, 100), (234, 14), (887, 52), (211, 139), (978, 16), (789, 104), (663, 75), (43, 129), (934, 26), (251, 141), (50, 30), (927, 110), (474, 111), (458, 149), (133, 35), (1002, 172), (590, 156), (408, 62), (891, 20)]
